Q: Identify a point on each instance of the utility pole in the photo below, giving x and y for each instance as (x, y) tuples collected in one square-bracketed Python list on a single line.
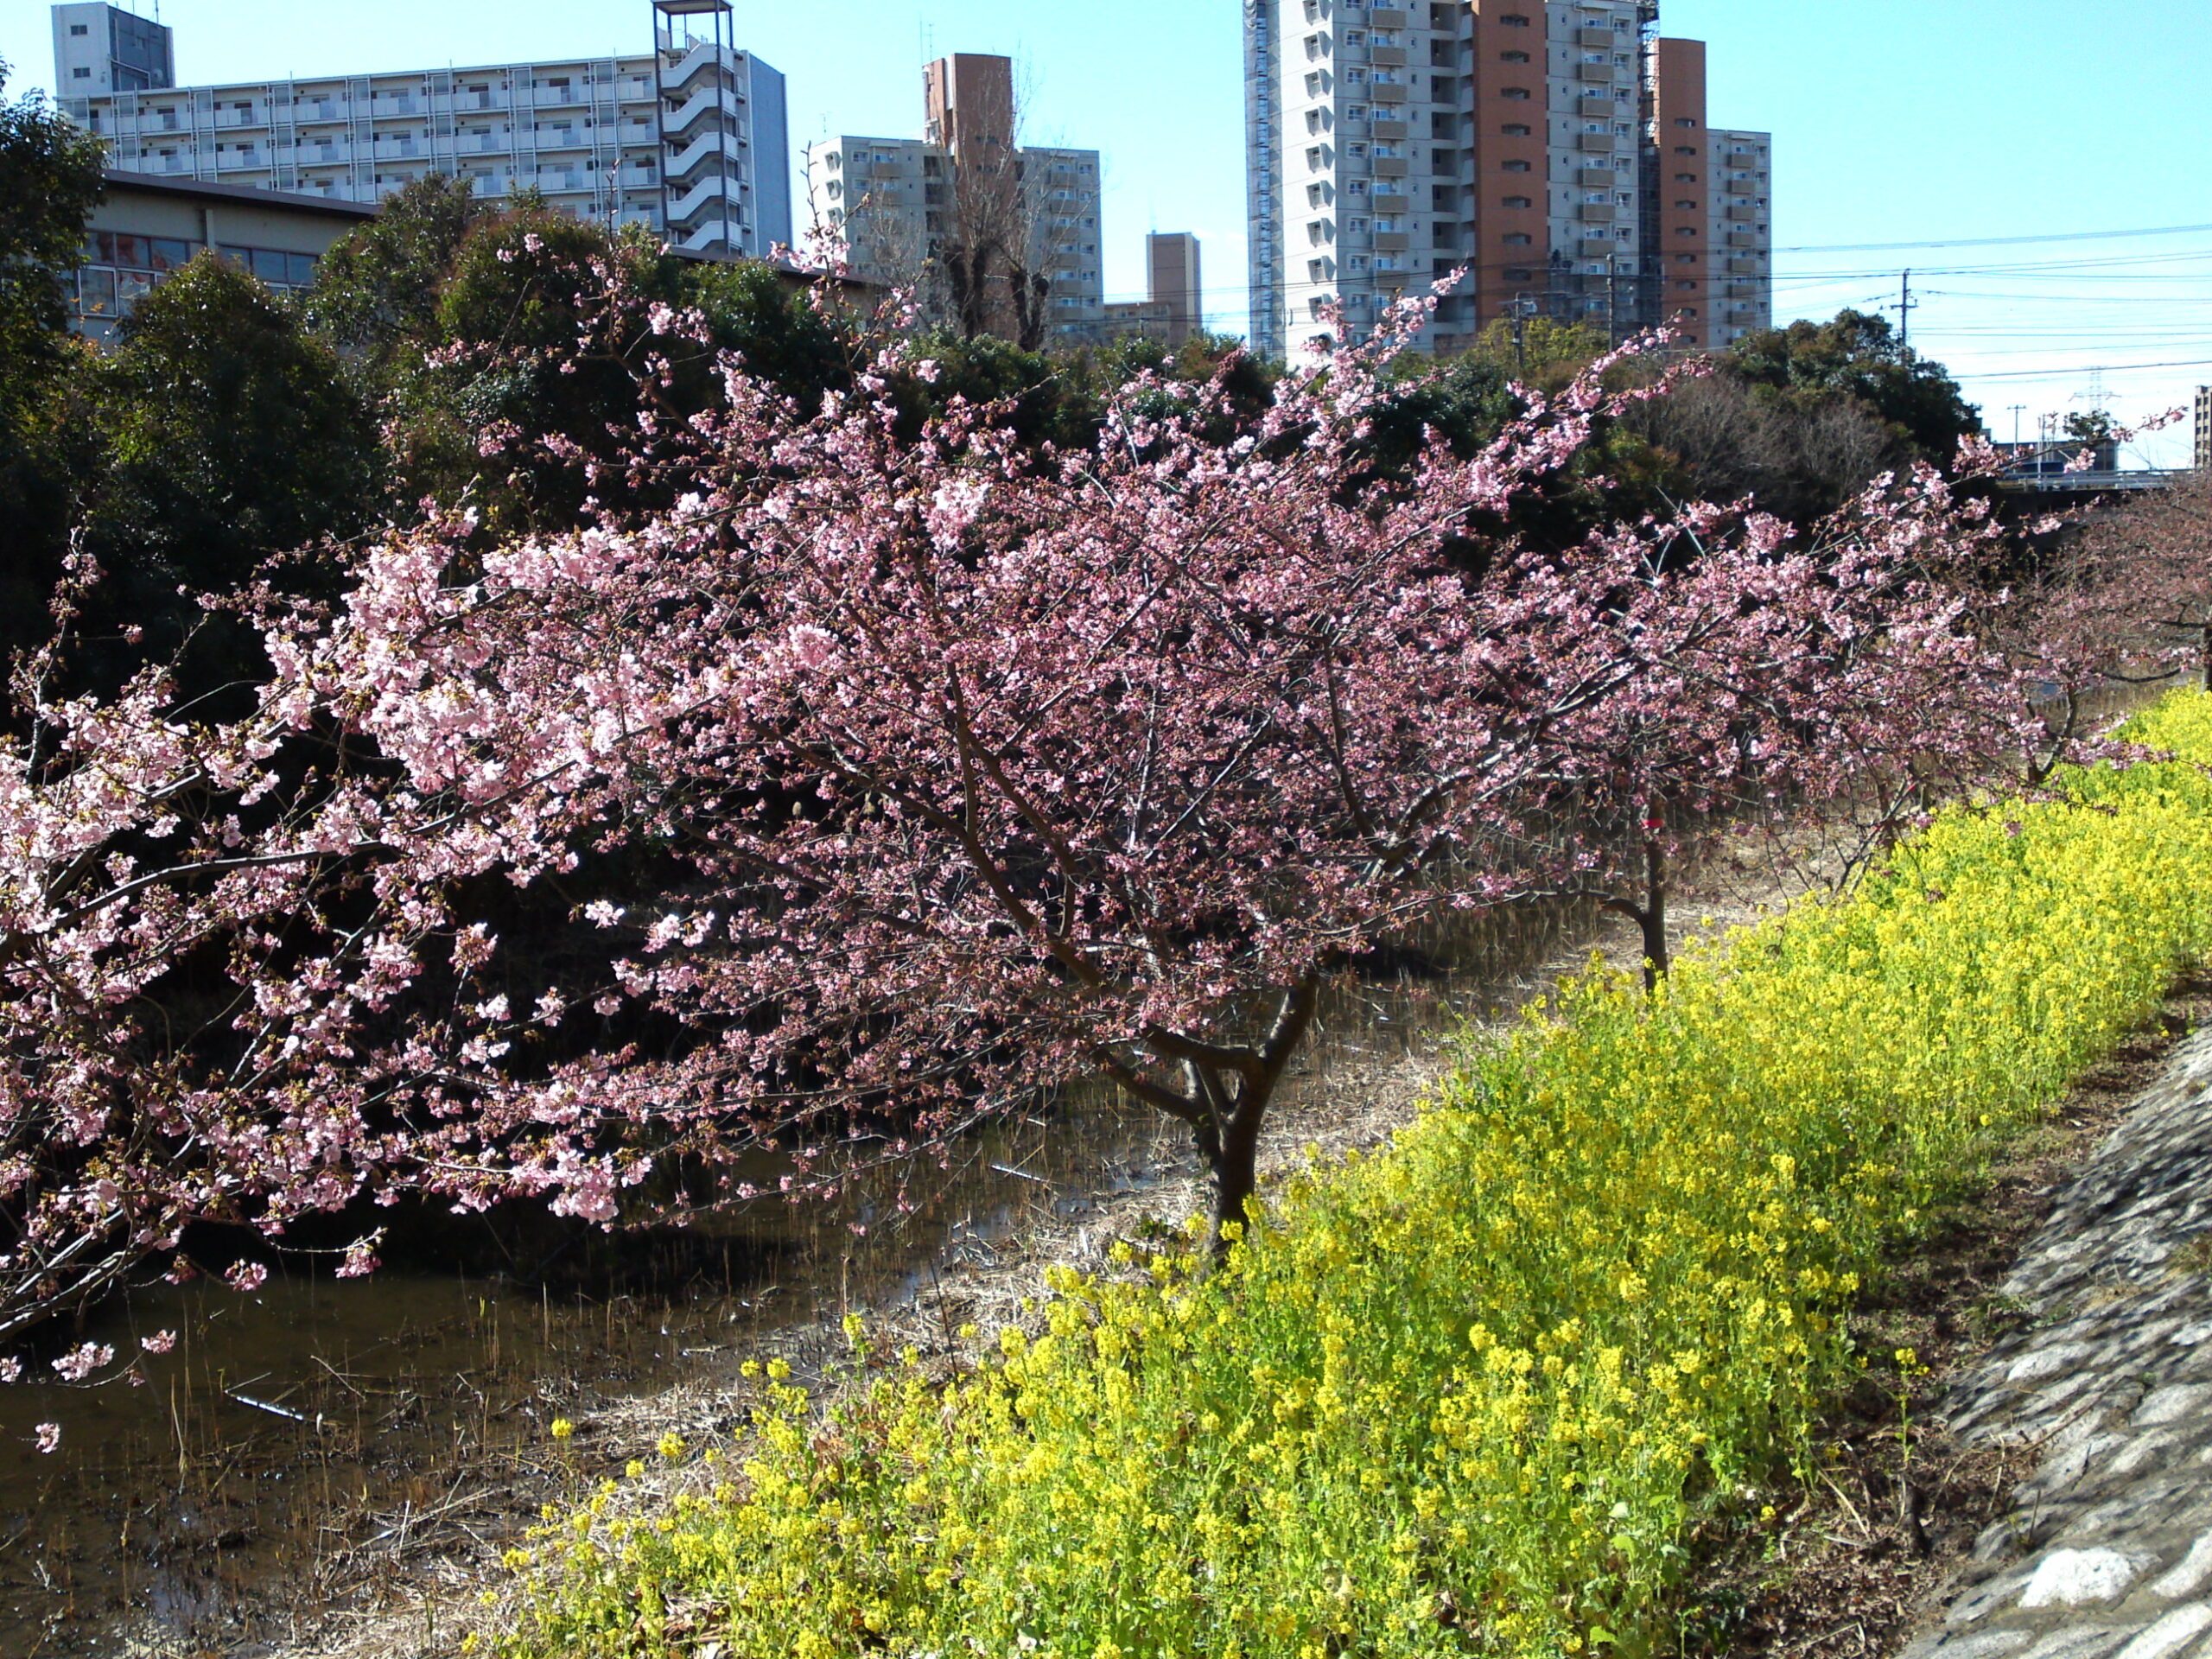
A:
[(1906, 305), (2018, 409)]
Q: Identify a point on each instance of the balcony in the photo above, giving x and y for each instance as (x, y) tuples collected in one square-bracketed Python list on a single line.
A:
[(1387, 17), (1389, 166), (1742, 239), (1588, 107), (1387, 92), (1602, 72), (1739, 266), (1593, 37), (1594, 248), (1597, 213), (1388, 56), (1595, 143), (1388, 131), (1744, 215), (1594, 178), (1392, 242)]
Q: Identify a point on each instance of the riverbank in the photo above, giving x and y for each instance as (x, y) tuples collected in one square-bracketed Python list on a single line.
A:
[(1655, 1213)]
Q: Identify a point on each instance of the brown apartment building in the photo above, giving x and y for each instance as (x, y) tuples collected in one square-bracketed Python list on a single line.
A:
[(1560, 150)]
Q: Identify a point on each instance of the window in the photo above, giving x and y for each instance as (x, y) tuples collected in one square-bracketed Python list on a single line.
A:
[(1355, 186), (1685, 150), (1519, 239), (1355, 37), (79, 28), (80, 73), (1518, 201), (1355, 112), (1512, 130), (1685, 178), (1686, 121), (1514, 57), (1516, 93), (1514, 20), (1358, 262), (1514, 167), (1686, 206)]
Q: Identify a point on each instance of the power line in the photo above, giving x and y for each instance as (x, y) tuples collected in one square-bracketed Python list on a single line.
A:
[(1997, 241)]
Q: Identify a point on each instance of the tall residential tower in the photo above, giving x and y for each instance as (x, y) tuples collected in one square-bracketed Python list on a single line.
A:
[(1558, 149)]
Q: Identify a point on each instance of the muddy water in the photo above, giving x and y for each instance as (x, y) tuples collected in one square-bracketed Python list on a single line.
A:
[(304, 1425)]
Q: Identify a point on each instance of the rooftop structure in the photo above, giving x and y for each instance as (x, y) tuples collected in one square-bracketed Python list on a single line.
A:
[(688, 138)]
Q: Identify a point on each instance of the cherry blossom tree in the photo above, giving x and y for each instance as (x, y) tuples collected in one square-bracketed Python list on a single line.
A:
[(2131, 599), (891, 776)]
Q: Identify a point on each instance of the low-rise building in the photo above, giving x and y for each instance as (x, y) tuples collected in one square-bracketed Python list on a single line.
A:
[(147, 227)]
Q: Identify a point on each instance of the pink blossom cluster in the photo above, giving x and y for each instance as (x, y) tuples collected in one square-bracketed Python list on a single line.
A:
[(900, 777)]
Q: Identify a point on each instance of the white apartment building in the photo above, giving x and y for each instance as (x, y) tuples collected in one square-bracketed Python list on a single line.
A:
[(890, 207), (1393, 142), (689, 139), (1742, 234)]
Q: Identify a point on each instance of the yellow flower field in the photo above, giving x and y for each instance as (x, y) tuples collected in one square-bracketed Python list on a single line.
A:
[(1469, 1395)]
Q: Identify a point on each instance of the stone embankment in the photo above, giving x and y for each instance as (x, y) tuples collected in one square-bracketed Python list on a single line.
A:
[(2106, 1550)]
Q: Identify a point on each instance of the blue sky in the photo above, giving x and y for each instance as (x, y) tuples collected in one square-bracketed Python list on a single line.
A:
[(1895, 121)]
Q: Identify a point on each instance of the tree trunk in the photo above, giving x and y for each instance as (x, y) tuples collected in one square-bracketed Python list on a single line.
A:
[(1226, 1094), (1235, 1173), (2204, 651), (1653, 917)]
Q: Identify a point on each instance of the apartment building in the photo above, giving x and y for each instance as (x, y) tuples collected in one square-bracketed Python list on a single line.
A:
[(2204, 434), (1538, 144), (964, 214), (689, 138)]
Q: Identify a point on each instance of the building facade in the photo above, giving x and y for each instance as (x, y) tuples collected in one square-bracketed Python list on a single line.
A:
[(2204, 429), (689, 139), (951, 213), (144, 228), (1558, 150)]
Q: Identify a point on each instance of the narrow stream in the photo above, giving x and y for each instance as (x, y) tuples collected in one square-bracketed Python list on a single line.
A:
[(218, 1484)]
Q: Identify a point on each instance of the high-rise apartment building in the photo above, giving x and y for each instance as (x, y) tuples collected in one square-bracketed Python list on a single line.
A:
[(1558, 149), (2203, 453), (988, 231), (689, 138)]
